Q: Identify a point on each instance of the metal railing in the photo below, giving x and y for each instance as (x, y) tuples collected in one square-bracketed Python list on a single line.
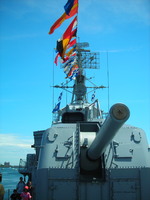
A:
[(7, 194)]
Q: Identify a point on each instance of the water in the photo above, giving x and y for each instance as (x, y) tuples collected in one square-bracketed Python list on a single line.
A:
[(10, 178)]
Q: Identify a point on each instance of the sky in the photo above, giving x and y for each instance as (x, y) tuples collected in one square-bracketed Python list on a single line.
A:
[(118, 29)]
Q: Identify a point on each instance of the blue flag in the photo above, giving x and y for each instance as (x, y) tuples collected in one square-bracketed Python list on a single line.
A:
[(93, 97), (60, 96), (74, 74), (68, 6), (56, 108)]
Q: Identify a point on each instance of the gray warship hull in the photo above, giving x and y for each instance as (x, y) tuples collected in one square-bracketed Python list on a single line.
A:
[(63, 172), (101, 160)]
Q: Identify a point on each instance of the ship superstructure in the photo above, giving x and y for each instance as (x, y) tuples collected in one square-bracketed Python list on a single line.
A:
[(85, 155)]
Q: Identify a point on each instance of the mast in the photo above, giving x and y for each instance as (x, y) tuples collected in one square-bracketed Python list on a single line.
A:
[(85, 59), (74, 56)]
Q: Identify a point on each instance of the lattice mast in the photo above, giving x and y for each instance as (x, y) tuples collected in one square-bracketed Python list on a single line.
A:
[(85, 59)]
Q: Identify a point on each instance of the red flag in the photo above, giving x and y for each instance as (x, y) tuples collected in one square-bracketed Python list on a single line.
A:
[(64, 41), (73, 11), (68, 31), (56, 59), (65, 59), (71, 43), (57, 23)]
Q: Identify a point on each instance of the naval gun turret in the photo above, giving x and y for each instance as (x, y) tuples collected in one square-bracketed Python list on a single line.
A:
[(93, 149), (85, 155), (118, 115)]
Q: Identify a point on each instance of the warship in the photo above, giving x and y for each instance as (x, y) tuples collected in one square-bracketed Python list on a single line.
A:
[(88, 154)]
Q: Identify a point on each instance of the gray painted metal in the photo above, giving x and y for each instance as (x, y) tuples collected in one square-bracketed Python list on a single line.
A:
[(84, 156), (118, 114)]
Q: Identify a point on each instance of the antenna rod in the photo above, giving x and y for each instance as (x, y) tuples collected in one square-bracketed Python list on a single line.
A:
[(53, 81), (108, 79)]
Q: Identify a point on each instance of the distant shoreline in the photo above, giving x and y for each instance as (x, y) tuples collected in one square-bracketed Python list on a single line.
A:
[(10, 166)]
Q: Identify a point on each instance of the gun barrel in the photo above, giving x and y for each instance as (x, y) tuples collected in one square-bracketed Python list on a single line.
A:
[(118, 115)]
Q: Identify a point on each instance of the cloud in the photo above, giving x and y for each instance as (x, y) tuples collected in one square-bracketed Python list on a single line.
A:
[(13, 147), (14, 140)]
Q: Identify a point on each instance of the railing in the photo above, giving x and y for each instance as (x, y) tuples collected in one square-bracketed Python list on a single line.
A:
[(26, 167), (7, 194), (22, 166)]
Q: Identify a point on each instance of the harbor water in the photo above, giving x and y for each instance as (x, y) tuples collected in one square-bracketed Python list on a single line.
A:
[(10, 178)]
